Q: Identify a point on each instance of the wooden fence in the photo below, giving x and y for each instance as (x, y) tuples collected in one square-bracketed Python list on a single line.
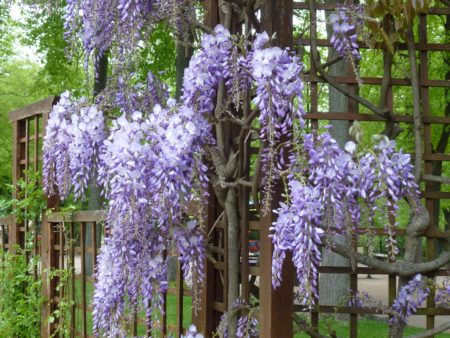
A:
[(63, 239), (70, 248)]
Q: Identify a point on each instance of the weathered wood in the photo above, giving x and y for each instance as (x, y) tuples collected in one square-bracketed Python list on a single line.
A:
[(78, 216), (37, 108), (276, 305)]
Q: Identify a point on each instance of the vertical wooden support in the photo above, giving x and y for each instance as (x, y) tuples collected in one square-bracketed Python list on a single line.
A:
[(276, 306), (179, 300), (72, 282), (204, 317), (13, 231), (83, 277), (428, 150), (47, 247)]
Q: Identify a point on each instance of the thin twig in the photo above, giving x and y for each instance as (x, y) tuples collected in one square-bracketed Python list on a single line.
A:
[(327, 64)]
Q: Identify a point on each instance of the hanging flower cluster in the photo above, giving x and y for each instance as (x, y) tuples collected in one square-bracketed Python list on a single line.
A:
[(74, 134), (279, 99), (273, 71), (330, 192), (297, 229), (122, 24), (149, 167), (346, 22), (410, 297), (442, 297), (192, 333)]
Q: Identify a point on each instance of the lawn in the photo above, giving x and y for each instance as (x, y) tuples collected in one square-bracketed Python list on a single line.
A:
[(367, 328)]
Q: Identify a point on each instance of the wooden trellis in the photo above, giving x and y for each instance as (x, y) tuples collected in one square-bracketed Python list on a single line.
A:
[(277, 306), (65, 239)]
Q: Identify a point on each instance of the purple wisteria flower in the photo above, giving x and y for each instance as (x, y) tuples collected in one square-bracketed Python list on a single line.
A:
[(247, 320), (345, 23), (149, 168), (279, 99), (74, 134), (191, 332), (410, 297), (442, 297), (121, 25), (336, 190)]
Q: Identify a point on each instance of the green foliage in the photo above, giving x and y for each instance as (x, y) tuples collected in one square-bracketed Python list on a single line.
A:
[(158, 55), (63, 311), (30, 202), (6, 38), (44, 29), (17, 89), (21, 300)]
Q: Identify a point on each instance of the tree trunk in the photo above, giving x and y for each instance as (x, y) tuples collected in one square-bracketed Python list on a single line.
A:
[(94, 201), (184, 54), (333, 288)]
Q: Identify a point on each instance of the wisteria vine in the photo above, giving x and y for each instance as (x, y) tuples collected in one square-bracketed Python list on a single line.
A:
[(150, 164)]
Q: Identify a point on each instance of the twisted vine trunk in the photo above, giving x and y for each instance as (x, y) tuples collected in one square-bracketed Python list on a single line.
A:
[(231, 208), (413, 243)]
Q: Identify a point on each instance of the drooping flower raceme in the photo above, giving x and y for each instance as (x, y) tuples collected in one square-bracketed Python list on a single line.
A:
[(192, 333), (298, 229), (442, 297), (410, 297), (121, 25), (345, 22), (74, 134), (334, 190), (149, 169), (279, 100), (247, 321)]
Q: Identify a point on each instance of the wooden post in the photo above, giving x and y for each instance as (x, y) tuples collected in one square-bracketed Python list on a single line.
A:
[(276, 306), (48, 254), (204, 317)]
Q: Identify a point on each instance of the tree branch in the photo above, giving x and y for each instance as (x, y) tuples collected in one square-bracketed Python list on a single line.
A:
[(435, 178), (400, 268), (417, 117), (327, 64), (305, 327), (433, 331)]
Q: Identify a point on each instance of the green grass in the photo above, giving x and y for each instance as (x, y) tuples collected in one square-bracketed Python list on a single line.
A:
[(367, 328)]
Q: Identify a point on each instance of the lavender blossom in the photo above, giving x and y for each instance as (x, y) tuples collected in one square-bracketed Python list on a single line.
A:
[(74, 134), (345, 28), (192, 333), (442, 297), (279, 99), (330, 189), (410, 297)]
